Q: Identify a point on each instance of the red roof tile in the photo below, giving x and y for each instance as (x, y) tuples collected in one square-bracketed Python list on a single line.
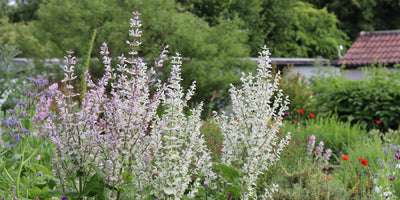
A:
[(374, 46)]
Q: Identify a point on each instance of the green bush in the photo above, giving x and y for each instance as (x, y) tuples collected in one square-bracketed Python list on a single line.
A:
[(373, 102), (307, 183), (296, 87), (335, 134)]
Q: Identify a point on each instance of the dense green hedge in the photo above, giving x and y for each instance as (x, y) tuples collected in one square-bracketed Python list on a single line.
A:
[(374, 101)]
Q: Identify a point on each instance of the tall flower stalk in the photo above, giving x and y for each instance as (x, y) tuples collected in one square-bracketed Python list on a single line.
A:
[(177, 146), (73, 136), (251, 141)]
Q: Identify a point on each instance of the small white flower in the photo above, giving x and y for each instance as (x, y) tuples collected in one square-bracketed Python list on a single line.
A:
[(387, 193), (377, 189)]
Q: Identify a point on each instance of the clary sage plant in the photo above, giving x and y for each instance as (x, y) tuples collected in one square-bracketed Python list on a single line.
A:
[(139, 141)]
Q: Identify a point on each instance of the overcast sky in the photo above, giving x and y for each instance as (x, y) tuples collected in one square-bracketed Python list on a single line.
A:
[(11, 2)]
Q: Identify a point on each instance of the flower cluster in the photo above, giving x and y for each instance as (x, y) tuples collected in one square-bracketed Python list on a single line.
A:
[(177, 146), (363, 161), (386, 179), (250, 135), (13, 124)]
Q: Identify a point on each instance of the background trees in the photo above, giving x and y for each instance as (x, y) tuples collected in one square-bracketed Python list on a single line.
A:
[(212, 33), (363, 15), (290, 28)]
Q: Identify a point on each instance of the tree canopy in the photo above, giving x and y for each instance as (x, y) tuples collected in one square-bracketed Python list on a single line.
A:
[(290, 28), (363, 15)]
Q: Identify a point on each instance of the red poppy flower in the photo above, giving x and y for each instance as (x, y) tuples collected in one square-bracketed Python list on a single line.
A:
[(378, 122), (311, 115), (345, 157), (301, 111), (364, 162)]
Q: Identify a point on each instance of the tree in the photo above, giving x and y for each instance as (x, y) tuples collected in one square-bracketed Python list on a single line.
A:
[(280, 24), (23, 11), (363, 15), (316, 31)]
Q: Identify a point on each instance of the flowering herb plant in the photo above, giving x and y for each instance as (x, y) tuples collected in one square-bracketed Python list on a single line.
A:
[(118, 144)]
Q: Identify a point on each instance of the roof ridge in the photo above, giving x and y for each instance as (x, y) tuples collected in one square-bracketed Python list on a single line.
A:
[(381, 32)]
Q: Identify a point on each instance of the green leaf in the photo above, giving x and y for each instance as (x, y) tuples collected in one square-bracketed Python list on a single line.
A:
[(95, 186), (238, 181), (30, 167), (229, 173), (234, 190), (99, 171), (71, 194), (35, 192), (42, 169), (128, 177), (16, 158)]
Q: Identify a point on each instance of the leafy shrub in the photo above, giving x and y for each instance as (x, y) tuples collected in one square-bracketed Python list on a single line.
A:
[(373, 102), (304, 150), (335, 133), (308, 183), (300, 96), (22, 35)]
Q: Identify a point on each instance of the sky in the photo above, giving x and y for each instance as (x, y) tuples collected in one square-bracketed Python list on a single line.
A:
[(11, 2)]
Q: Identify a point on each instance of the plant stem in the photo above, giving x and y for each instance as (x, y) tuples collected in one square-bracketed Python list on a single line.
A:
[(9, 176), (87, 62), (20, 169)]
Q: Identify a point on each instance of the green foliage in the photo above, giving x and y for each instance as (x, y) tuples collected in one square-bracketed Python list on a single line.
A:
[(389, 137), (214, 139), (316, 32), (300, 96), (23, 10), (296, 154), (9, 88), (362, 15), (22, 35), (235, 180), (25, 162), (373, 102), (308, 32), (69, 24), (353, 173), (307, 183), (87, 63), (336, 134)]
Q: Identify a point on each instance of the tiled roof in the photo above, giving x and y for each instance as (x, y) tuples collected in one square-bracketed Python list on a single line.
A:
[(374, 46)]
